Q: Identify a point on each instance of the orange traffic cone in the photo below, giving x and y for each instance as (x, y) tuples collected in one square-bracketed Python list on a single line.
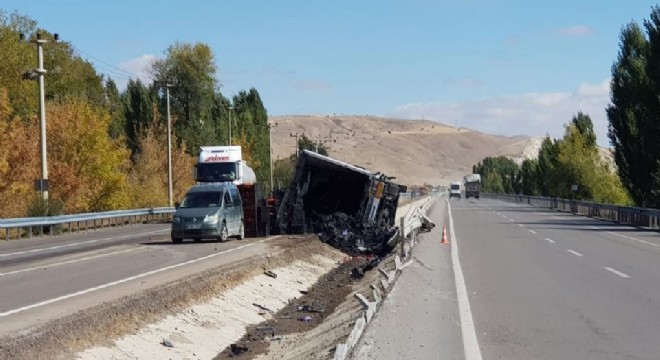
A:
[(444, 235)]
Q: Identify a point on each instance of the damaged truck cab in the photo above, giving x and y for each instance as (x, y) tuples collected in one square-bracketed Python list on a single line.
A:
[(347, 206)]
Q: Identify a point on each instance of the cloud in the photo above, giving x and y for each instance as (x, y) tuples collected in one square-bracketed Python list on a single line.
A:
[(133, 68), (530, 114), (312, 85), (577, 30)]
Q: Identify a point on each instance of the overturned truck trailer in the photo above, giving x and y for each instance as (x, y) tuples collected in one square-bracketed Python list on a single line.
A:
[(347, 206)]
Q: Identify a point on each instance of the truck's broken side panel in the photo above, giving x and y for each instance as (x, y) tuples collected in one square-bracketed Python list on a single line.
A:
[(347, 206)]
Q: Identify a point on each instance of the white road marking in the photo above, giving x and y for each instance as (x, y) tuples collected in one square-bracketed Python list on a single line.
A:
[(521, 225), (549, 240), (556, 217), (66, 262), (135, 277), (616, 272), (594, 227), (511, 220), (470, 343), (532, 231), (634, 239), (83, 242), (574, 252)]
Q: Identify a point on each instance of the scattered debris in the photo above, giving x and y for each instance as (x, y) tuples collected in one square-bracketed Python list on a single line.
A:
[(305, 318), (271, 274), (356, 273), (304, 292), (167, 343), (311, 308), (266, 329), (237, 349), (263, 308)]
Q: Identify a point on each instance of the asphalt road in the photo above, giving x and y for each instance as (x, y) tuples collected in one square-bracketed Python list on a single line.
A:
[(549, 285), (420, 318), (527, 283), (42, 279), (46, 278)]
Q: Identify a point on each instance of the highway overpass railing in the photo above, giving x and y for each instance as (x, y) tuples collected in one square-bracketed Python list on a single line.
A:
[(52, 225), (642, 217)]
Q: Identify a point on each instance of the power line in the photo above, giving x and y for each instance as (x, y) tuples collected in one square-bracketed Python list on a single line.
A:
[(103, 62)]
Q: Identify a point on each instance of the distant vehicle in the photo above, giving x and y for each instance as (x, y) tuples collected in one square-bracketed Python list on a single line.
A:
[(209, 211), (472, 185), (455, 189), (223, 164)]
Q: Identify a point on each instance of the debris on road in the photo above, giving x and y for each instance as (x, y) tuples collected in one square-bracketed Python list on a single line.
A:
[(237, 349), (305, 318), (311, 308), (167, 343), (263, 308), (271, 274), (347, 206)]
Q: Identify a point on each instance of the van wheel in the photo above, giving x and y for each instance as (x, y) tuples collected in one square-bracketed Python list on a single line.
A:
[(241, 232), (223, 233)]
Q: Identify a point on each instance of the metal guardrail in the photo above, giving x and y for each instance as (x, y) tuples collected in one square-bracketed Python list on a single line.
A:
[(414, 219), (77, 222), (642, 217)]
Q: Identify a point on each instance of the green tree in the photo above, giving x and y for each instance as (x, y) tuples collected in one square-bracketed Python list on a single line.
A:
[(634, 112), (547, 169), (191, 68), (499, 175), (139, 103), (305, 143), (529, 177), (115, 106)]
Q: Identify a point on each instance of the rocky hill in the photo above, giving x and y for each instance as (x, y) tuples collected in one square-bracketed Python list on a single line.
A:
[(415, 151)]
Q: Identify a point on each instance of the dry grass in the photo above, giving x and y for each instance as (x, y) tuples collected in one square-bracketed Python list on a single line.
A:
[(415, 151)]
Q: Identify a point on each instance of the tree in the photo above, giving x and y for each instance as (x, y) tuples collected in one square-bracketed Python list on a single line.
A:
[(529, 181), (634, 112), (148, 175), (87, 168), (116, 108), (191, 67), (547, 169), (499, 175), (585, 127), (139, 102), (305, 143)]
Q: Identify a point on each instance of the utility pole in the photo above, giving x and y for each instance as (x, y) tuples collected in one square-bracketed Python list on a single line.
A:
[(169, 145), (295, 136), (231, 108), (42, 184), (270, 149)]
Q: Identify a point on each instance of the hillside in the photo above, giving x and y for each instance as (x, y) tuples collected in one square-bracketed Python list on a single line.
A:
[(415, 151)]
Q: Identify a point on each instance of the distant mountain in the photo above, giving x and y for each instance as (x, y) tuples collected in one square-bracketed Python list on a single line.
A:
[(415, 151)]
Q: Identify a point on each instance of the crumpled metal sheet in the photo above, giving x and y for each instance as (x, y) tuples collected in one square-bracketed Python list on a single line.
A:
[(352, 234)]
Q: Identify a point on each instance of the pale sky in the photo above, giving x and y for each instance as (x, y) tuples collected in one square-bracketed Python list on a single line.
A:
[(504, 67)]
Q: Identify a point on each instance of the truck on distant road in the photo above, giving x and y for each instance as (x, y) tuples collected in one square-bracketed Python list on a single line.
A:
[(472, 185), (455, 189)]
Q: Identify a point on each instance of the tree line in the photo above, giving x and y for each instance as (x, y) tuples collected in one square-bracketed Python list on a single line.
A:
[(107, 149)]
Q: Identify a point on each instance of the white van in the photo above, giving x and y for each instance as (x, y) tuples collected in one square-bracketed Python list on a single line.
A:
[(455, 189)]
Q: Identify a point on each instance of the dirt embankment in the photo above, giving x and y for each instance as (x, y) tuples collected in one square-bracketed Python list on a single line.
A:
[(103, 324)]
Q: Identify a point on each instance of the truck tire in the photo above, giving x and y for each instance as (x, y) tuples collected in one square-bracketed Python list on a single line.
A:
[(177, 240)]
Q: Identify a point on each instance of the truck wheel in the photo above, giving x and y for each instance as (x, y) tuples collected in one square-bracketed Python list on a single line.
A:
[(224, 235), (241, 232), (177, 240)]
